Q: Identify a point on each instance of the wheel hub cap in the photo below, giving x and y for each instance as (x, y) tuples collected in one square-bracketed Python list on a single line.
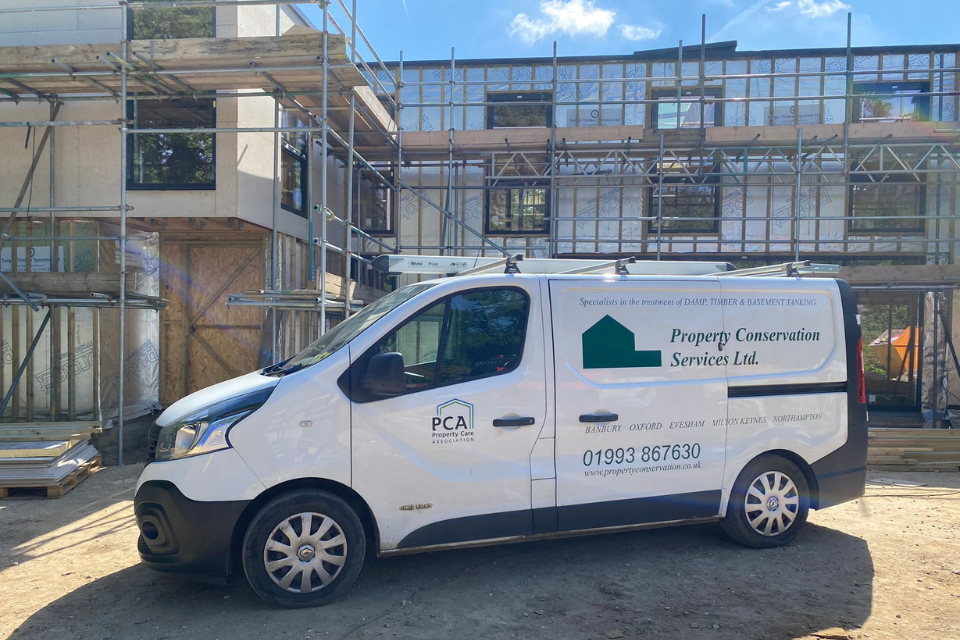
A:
[(305, 552), (772, 503)]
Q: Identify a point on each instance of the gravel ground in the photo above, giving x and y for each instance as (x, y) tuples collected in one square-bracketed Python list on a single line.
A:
[(886, 566)]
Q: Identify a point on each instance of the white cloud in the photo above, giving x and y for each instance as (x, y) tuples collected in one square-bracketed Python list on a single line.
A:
[(780, 6), (825, 9), (777, 15), (637, 32), (738, 19), (570, 17)]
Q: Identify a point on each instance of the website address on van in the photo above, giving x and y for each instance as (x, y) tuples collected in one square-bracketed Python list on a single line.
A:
[(629, 471)]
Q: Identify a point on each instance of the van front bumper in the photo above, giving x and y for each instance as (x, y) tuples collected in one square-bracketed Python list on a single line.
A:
[(180, 535)]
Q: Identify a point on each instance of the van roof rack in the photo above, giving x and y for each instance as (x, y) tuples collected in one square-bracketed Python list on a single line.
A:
[(803, 268), (462, 266)]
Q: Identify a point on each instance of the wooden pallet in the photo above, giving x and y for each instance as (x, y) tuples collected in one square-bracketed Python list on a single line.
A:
[(57, 490)]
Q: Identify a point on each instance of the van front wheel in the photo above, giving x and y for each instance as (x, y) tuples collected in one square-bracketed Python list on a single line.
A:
[(303, 549), (769, 503)]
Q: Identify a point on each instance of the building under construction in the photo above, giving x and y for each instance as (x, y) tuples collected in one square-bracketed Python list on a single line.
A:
[(203, 187)]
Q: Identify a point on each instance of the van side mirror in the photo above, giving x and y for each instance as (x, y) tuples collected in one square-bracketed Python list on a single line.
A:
[(385, 375)]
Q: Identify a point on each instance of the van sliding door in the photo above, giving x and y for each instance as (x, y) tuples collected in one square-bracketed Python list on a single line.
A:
[(641, 401)]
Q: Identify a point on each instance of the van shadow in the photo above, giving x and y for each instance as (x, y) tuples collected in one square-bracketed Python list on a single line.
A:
[(673, 583)]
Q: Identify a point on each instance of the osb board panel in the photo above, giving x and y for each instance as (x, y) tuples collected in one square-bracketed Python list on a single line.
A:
[(173, 280), (225, 341), (204, 342)]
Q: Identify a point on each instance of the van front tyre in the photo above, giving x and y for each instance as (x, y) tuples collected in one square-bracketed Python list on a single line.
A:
[(769, 503), (303, 549)]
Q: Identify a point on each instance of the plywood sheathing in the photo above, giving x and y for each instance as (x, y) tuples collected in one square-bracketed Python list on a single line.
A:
[(902, 274), (203, 340)]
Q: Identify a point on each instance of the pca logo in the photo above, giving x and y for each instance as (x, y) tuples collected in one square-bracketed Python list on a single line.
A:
[(453, 422)]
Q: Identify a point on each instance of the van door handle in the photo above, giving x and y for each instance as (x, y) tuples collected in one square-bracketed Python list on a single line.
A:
[(521, 421), (599, 417)]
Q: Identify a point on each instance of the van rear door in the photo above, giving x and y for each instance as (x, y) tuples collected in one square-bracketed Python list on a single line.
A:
[(641, 400)]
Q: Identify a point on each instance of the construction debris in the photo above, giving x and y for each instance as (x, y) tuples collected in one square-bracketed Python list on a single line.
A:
[(51, 467)]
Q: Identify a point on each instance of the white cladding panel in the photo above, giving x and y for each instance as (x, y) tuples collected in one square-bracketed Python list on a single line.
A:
[(617, 353)]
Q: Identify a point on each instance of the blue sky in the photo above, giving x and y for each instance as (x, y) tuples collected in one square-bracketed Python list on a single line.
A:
[(427, 29)]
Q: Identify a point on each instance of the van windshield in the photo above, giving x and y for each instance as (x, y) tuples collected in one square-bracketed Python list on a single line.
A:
[(347, 330)]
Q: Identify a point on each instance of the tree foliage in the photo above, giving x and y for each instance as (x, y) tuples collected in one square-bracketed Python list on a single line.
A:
[(163, 23)]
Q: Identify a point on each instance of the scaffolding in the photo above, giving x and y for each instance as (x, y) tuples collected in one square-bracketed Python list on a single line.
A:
[(317, 88), (628, 157), (351, 103)]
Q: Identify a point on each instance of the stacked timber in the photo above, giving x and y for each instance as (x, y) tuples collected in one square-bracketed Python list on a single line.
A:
[(46, 460), (914, 449)]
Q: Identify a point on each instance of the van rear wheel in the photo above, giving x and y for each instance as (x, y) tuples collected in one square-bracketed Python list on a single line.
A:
[(303, 549), (769, 503)]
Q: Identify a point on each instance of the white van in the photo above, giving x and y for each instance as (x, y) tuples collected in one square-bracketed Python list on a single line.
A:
[(509, 407)]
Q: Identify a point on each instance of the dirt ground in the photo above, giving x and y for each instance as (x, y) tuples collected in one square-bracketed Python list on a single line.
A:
[(886, 566)]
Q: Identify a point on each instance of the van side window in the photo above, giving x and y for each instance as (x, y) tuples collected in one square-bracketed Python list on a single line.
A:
[(479, 333), (418, 341), (484, 334)]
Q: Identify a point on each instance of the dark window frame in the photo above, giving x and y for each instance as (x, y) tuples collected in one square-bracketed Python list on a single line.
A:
[(859, 93), (132, 185), (287, 150), (394, 202), (710, 178), (921, 208), (359, 367), (524, 97), (712, 92), (510, 184)]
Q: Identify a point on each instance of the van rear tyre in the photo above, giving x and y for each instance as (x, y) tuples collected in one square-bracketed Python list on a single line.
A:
[(303, 549), (769, 503)]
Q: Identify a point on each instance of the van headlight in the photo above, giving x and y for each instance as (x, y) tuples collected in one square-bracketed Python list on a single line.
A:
[(205, 430), (195, 436)]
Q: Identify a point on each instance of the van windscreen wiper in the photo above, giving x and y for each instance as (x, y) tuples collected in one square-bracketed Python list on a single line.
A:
[(274, 368)]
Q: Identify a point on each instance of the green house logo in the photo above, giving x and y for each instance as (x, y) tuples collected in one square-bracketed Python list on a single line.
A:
[(454, 415), (610, 345)]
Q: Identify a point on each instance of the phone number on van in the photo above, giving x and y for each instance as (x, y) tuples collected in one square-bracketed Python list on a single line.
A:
[(655, 453)]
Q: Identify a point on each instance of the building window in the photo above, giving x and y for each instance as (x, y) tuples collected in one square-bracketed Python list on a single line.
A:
[(891, 102), (162, 23), (527, 109), (885, 202), (375, 201), (518, 206), (689, 202), (172, 160), (685, 114), (293, 167)]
